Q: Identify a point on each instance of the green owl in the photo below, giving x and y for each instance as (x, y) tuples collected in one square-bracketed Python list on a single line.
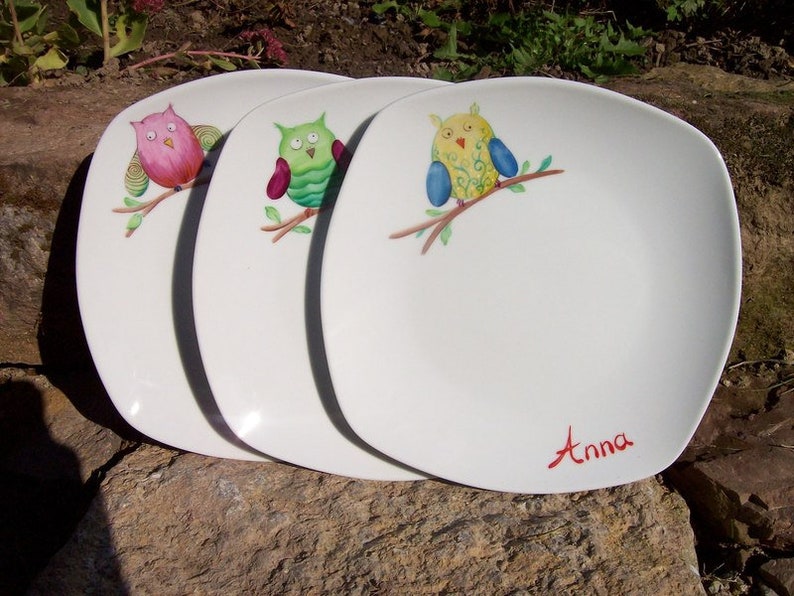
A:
[(308, 156), (467, 158)]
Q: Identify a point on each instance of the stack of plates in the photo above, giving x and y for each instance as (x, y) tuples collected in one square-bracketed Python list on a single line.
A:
[(518, 284)]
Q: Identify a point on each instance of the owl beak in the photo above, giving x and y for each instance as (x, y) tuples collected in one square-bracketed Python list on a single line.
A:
[(169, 141), (310, 151), (461, 141)]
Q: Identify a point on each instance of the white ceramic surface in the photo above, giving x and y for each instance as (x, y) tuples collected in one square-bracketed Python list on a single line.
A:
[(134, 292), (260, 338), (567, 331)]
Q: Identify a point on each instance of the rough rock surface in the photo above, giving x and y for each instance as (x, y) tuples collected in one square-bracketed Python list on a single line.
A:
[(779, 575), (187, 523), (738, 472)]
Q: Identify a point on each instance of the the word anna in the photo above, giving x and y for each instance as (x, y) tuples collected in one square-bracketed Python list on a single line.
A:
[(591, 450)]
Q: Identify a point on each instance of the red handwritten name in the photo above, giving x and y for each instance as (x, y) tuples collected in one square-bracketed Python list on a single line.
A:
[(590, 451)]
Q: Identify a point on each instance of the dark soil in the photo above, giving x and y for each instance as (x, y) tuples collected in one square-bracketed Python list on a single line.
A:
[(349, 36)]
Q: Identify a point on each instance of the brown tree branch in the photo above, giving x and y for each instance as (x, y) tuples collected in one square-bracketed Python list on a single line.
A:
[(146, 208), (285, 227), (442, 221)]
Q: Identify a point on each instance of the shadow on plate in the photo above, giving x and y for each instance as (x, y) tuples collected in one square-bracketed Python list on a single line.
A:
[(313, 316), (184, 319)]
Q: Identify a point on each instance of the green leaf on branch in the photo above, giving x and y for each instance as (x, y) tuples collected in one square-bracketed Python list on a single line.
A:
[(524, 168), (544, 165), (130, 202), (302, 229), (517, 188), (135, 221), (272, 214), (445, 234), (435, 212), (420, 232)]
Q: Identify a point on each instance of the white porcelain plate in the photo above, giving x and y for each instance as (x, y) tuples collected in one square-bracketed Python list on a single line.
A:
[(576, 299), (141, 204), (257, 260)]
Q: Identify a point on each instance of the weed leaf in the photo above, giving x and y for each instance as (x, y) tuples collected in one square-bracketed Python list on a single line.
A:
[(130, 29), (52, 60), (87, 12), (222, 64)]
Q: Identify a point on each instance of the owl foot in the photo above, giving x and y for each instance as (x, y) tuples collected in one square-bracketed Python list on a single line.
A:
[(460, 202), (178, 188)]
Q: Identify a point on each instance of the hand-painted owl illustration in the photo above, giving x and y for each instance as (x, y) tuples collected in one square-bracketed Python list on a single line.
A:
[(169, 151), (467, 158), (308, 156)]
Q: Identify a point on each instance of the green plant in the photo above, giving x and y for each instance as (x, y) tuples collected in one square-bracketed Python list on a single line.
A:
[(28, 49), (121, 32), (678, 10), (524, 42), (263, 48)]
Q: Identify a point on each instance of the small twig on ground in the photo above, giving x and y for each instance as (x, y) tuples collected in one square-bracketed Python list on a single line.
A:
[(194, 53), (754, 362)]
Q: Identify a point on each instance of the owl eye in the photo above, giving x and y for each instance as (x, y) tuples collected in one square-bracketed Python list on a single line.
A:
[(151, 135), (312, 137), (467, 126), (446, 133), (171, 127), (296, 144)]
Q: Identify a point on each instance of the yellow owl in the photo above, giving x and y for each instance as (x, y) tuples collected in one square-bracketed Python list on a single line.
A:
[(467, 158)]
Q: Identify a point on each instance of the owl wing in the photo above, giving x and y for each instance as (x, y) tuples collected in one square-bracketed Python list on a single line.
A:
[(439, 184), (209, 137), (341, 154), (502, 158), (279, 181), (135, 179)]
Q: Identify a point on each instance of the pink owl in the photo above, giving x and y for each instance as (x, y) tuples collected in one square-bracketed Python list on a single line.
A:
[(169, 152)]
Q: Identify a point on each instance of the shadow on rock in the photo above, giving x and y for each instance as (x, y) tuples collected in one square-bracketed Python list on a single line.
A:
[(42, 496), (62, 343)]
